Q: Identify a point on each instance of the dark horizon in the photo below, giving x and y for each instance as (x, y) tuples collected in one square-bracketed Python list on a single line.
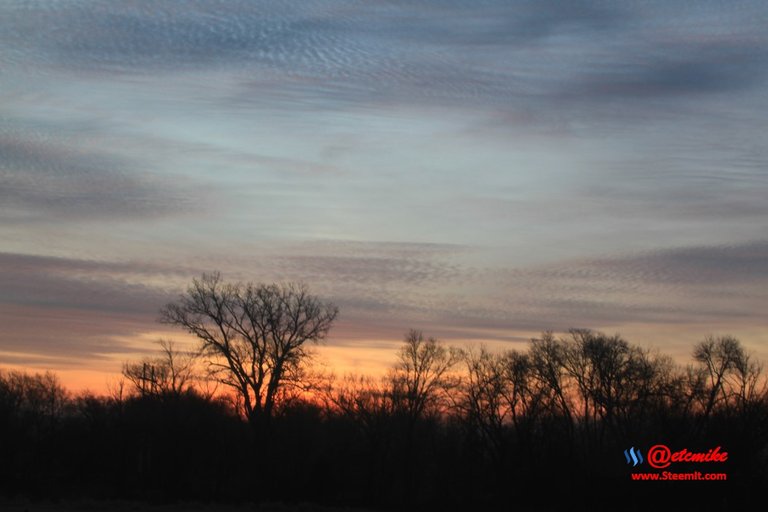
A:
[(590, 414)]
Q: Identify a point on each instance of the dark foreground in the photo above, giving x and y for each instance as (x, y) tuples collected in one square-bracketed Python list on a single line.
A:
[(562, 426), (125, 506)]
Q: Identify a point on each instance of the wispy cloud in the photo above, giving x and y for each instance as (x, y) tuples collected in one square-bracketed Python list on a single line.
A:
[(675, 69), (489, 53), (84, 309), (682, 285), (73, 310), (439, 287), (49, 177), (66, 308)]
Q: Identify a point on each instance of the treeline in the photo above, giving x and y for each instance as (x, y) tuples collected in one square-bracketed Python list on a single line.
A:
[(449, 428)]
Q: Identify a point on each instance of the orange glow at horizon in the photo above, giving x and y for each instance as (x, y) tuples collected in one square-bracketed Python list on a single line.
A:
[(346, 354)]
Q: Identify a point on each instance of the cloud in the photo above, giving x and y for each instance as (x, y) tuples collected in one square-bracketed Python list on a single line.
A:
[(722, 284), (494, 23), (68, 337), (700, 179), (716, 266), (438, 287), (119, 286), (714, 284), (374, 263), (337, 33), (489, 53), (674, 69), (51, 178), (74, 310), (371, 282), (559, 128), (94, 35), (69, 309)]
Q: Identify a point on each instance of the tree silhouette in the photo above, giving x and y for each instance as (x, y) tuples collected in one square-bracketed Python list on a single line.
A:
[(478, 435), (173, 373), (253, 334), (547, 358), (719, 358), (487, 401), (420, 374)]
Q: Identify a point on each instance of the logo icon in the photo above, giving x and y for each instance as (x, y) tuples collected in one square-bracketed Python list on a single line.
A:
[(633, 456)]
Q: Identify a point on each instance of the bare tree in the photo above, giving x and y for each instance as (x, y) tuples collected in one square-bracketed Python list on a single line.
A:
[(363, 400), (547, 360), (37, 399), (616, 381), (254, 334), (170, 374), (484, 397), (748, 387), (420, 374), (527, 396), (719, 358)]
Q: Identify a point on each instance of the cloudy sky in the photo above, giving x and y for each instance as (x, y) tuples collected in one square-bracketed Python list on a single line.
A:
[(481, 170)]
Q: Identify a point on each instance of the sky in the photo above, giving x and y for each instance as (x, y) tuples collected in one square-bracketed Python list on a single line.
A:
[(480, 170)]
